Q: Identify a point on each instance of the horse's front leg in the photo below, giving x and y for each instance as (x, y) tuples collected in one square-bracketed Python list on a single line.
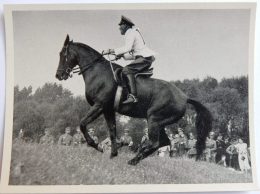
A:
[(94, 112), (111, 123)]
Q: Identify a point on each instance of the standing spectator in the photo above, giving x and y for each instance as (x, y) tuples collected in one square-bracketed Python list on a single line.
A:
[(182, 142), (191, 146), (226, 145), (242, 155), (66, 138), (174, 146), (91, 133), (21, 136), (126, 139), (211, 147), (233, 155), (220, 151), (47, 139), (78, 137)]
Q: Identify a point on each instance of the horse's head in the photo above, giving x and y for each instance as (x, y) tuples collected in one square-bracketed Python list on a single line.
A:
[(68, 60)]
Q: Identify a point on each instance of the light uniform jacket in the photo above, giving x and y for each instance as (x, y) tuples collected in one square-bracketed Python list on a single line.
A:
[(65, 139), (134, 45), (47, 139)]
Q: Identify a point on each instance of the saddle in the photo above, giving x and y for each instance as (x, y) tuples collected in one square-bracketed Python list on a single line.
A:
[(122, 89), (120, 77)]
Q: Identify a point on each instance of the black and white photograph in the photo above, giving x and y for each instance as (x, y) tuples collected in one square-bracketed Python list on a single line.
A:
[(129, 96)]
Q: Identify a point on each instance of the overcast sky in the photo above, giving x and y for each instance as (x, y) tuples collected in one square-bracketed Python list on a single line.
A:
[(189, 43)]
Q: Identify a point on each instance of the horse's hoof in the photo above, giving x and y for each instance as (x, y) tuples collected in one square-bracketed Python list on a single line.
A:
[(132, 162), (112, 155)]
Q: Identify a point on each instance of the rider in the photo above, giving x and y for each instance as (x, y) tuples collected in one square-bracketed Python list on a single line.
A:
[(135, 49)]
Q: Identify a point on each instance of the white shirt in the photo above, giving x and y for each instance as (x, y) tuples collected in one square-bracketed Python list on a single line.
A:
[(134, 45)]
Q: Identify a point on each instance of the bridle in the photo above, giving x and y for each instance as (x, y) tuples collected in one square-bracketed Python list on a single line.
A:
[(75, 69)]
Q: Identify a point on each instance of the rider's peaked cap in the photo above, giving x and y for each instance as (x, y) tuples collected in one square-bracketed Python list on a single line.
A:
[(125, 20)]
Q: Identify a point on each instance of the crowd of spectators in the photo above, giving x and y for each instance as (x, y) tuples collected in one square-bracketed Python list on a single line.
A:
[(232, 153)]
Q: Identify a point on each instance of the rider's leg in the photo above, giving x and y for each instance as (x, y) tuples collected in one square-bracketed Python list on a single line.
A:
[(132, 97), (138, 65)]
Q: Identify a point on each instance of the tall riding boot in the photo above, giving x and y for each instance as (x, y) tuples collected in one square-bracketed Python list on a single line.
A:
[(132, 97)]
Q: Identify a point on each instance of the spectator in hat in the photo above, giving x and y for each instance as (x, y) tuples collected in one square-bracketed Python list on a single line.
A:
[(134, 49), (66, 138), (78, 137), (47, 139), (182, 142)]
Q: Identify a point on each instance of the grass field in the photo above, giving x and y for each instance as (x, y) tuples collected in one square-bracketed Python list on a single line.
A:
[(34, 164)]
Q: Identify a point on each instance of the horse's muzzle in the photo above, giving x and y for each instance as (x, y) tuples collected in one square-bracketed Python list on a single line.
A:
[(58, 76)]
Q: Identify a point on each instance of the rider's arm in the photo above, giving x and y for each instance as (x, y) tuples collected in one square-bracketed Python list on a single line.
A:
[(128, 56)]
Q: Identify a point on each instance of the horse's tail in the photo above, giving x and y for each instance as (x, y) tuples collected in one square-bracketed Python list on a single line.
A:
[(203, 125)]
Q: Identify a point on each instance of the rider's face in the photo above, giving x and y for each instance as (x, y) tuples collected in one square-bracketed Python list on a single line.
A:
[(123, 29)]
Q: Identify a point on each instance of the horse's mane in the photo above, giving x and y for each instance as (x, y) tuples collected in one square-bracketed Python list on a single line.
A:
[(95, 52), (87, 47)]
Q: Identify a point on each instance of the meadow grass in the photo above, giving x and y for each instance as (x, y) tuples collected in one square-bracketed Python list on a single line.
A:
[(34, 164)]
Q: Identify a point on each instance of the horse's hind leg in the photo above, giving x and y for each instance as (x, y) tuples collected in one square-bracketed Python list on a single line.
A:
[(151, 146)]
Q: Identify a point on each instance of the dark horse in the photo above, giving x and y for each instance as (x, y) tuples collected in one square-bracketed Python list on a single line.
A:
[(160, 102)]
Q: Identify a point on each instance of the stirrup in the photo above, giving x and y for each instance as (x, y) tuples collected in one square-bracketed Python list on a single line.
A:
[(130, 99)]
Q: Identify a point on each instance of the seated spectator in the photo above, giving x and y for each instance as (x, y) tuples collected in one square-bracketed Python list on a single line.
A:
[(66, 138), (211, 147), (145, 138), (78, 137), (91, 133), (163, 150), (126, 139), (191, 146), (47, 139), (106, 144), (242, 155)]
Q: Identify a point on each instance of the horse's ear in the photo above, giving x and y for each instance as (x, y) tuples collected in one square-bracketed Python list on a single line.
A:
[(67, 40)]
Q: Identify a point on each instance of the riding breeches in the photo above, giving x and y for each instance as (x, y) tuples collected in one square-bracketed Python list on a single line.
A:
[(140, 64)]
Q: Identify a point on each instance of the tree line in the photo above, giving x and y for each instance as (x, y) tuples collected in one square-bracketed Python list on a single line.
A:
[(55, 107)]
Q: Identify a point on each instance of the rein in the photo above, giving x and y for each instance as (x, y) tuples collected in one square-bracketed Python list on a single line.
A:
[(81, 70), (85, 67)]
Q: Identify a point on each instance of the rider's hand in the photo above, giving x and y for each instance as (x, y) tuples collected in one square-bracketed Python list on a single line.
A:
[(118, 57), (108, 51)]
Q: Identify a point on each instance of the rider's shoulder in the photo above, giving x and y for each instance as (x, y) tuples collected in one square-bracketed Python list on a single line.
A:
[(131, 31)]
